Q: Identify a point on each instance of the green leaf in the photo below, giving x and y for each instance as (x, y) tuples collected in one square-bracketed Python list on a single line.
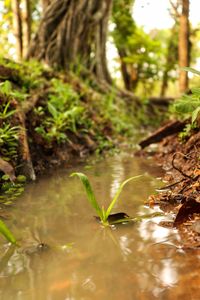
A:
[(195, 114), (90, 194), (108, 211), (53, 111), (6, 87), (7, 233), (196, 91), (191, 70), (186, 105), (5, 177), (21, 178)]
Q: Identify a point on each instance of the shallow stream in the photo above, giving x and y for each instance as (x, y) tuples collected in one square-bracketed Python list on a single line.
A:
[(66, 255)]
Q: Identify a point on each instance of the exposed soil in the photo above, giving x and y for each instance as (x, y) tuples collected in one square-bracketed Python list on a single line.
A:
[(181, 194)]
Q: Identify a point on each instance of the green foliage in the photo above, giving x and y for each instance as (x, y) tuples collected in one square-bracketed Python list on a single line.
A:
[(6, 19), (101, 212), (8, 140), (32, 73), (188, 106), (7, 89), (7, 233), (138, 51), (9, 191), (5, 112), (64, 112)]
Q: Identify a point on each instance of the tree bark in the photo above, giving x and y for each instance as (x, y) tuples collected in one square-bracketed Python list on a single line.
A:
[(73, 33), (171, 59), (129, 73), (183, 48), (27, 25), (45, 3), (17, 26)]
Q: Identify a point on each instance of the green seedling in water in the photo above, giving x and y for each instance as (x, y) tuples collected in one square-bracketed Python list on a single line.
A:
[(7, 233), (101, 212)]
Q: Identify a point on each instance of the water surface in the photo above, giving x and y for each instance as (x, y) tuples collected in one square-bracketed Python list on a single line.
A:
[(85, 261)]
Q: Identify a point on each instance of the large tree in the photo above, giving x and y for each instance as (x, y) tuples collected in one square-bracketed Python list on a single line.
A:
[(74, 32), (17, 27), (181, 12), (124, 29), (184, 45), (27, 25), (139, 53)]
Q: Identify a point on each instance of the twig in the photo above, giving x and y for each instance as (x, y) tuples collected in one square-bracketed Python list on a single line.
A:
[(170, 185), (179, 170)]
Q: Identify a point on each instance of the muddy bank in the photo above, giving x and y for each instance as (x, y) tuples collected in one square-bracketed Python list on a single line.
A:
[(180, 194), (50, 118)]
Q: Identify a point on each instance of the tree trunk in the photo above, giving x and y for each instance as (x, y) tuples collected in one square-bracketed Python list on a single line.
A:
[(183, 47), (17, 27), (27, 25), (45, 3), (171, 59), (129, 73), (73, 33)]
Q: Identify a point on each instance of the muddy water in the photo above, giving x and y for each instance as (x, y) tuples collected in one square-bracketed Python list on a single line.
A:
[(85, 261)]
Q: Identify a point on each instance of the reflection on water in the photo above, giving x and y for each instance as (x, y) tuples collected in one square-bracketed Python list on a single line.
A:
[(84, 260)]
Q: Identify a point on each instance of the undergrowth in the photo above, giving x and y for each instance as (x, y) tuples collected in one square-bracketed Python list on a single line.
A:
[(188, 108)]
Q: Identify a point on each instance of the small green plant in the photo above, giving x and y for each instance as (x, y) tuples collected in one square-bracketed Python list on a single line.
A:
[(101, 212), (8, 140), (7, 233), (188, 106), (7, 89), (5, 111), (9, 190), (64, 112)]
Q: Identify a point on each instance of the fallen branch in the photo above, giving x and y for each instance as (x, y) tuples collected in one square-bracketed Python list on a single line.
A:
[(161, 101), (167, 130), (26, 165)]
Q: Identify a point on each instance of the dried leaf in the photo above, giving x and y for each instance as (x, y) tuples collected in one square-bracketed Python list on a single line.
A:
[(190, 207)]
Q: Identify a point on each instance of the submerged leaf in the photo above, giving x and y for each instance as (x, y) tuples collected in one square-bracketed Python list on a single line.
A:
[(90, 194), (7, 233)]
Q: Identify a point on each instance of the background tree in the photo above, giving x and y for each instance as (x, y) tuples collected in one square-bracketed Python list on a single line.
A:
[(124, 29), (27, 20), (171, 55), (184, 45), (73, 33), (181, 11), (138, 51), (17, 27), (45, 3)]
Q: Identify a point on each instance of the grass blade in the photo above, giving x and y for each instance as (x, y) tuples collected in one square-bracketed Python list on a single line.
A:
[(7, 233), (110, 207), (90, 194)]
